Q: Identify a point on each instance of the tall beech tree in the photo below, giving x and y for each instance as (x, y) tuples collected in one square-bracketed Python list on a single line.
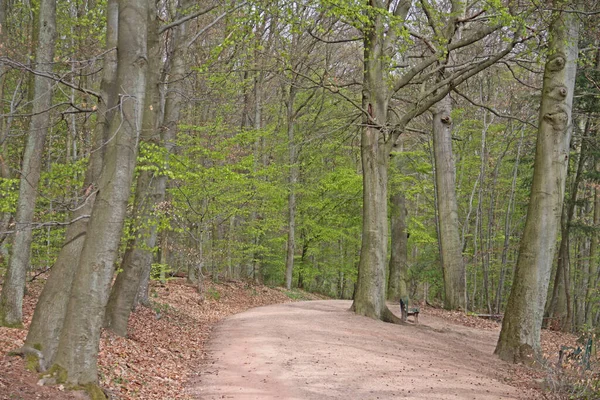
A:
[(520, 335), (151, 185), (445, 172), (48, 318), (11, 298), (77, 353), (397, 287), (381, 83)]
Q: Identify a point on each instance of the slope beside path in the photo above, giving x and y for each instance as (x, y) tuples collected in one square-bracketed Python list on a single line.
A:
[(320, 350)]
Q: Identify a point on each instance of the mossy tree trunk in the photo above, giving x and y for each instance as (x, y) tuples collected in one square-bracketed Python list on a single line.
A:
[(49, 315), (78, 347)]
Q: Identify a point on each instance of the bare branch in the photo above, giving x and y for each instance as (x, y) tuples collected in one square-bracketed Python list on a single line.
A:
[(46, 224), (53, 77), (441, 90), (356, 39), (185, 19), (220, 17), (496, 113), (412, 72)]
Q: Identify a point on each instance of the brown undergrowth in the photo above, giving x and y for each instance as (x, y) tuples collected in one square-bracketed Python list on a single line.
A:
[(556, 379), (164, 347)]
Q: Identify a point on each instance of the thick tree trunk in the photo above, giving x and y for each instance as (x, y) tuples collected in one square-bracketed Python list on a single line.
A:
[(559, 307), (139, 252), (398, 273), (520, 336), (449, 236), (78, 346), (49, 315), (11, 298), (369, 297)]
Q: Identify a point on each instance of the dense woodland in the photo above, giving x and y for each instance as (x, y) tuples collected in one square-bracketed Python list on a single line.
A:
[(444, 151)]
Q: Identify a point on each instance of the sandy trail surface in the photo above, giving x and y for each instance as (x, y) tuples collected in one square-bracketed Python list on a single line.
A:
[(320, 350)]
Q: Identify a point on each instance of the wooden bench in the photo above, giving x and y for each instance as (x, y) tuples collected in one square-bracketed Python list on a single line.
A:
[(407, 312)]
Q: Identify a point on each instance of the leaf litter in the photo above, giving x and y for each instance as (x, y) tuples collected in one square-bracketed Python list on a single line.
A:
[(167, 341)]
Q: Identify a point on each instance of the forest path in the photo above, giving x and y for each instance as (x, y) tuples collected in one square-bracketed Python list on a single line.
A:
[(320, 350)]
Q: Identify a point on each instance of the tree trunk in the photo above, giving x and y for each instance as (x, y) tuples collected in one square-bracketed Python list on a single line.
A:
[(398, 274), (78, 346), (520, 335), (398, 267), (11, 298), (293, 178), (592, 289), (369, 297), (449, 236), (49, 315), (140, 249), (559, 308)]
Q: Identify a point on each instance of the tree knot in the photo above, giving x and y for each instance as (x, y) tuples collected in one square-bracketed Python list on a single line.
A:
[(556, 62)]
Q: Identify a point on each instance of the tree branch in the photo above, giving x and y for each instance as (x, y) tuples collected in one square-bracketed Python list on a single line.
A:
[(53, 77), (185, 19), (441, 90), (496, 113), (220, 17), (412, 72)]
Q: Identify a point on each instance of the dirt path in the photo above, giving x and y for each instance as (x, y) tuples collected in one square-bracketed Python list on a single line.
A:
[(319, 350)]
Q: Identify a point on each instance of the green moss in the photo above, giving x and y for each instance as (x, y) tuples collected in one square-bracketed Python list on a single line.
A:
[(37, 346), (59, 373), (94, 391), (31, 362), (16, 325)]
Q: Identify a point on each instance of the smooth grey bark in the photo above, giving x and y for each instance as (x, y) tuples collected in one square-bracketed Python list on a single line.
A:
[(49, 315), (520, 335), (449, 233), (370, 293), (378, 136), (176, 72), (139, 252), (11, 298), (559, 305), (77, 352), (449, 239), (398, 267)]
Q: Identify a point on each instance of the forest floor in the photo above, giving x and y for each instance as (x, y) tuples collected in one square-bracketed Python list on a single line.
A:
[(307, 350)]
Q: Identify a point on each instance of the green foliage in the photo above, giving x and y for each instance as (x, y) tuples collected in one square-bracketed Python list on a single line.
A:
[(9, 189), (159, 271), (213, 294)]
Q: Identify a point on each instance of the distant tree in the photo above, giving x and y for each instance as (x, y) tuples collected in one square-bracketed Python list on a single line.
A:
[(381, 24)]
